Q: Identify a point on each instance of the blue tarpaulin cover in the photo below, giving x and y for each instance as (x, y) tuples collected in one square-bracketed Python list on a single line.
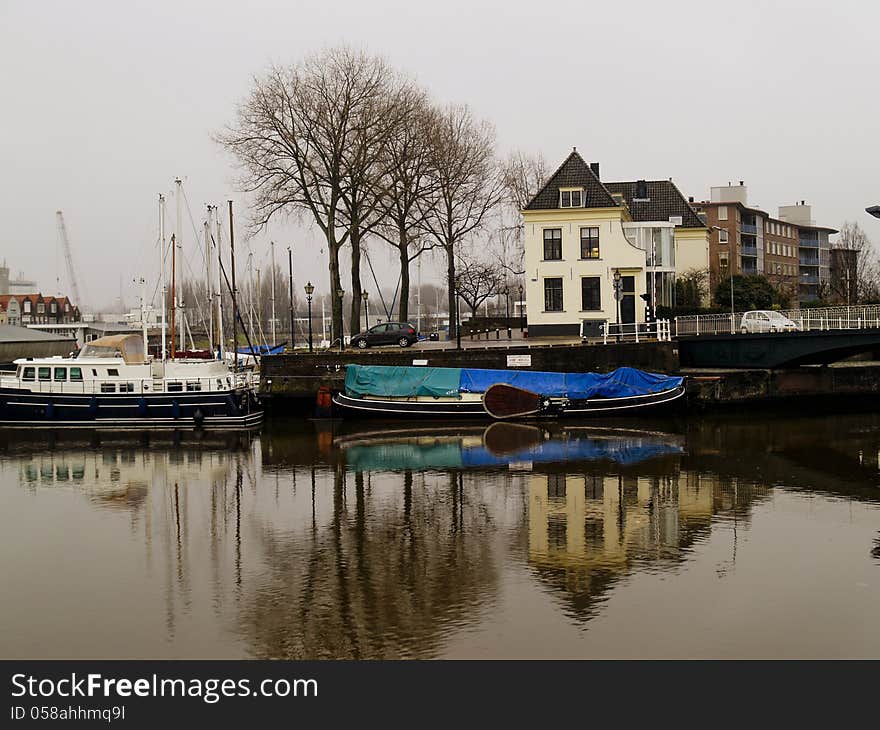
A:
[(384, 380)]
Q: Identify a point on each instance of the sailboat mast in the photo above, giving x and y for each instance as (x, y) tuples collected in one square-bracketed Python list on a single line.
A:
[(234, 291), (162, 266), (173, 291), (144, 315), (272, 249), (219, 285), (210, 298), (179, 183)]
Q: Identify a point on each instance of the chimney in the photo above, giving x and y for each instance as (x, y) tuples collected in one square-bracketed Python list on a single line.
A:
[(594, 166), (690, 198), (741, 182)]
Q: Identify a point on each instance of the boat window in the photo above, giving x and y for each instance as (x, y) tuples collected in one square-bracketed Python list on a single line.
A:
[(90, 350), (44, 373), (219, 384), (175, 386), (28, 374), (193, 385), (76, 374), (112, 373), (108, 387), (60, 374), (126, 387)]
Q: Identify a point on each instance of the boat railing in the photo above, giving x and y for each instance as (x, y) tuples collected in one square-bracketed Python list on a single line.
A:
[(659, 330), (126, 386)]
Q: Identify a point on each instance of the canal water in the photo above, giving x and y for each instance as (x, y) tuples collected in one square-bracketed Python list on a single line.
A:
[(722, 536)]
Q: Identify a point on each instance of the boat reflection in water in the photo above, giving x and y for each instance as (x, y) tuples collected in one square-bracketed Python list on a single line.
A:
[(372, 541)]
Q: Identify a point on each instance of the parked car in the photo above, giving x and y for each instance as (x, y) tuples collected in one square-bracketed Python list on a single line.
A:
[(765, 320), (387, 333)]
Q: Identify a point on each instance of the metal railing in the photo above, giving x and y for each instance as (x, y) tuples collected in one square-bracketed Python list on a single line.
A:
[(660, 330), (806, 320), (128, 386)]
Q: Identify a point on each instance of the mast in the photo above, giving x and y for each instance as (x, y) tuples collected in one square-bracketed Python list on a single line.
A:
[(173, 292), (179, 182), (272, 250), (209, 293), (162, 262), (144, 316), (219, 223), (234, 291)]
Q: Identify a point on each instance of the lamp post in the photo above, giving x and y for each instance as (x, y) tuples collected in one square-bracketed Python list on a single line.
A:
[(522, 324), (507, 305), (290, 275), (616, 281), (309, 291), (341, 294), (366, 296), (457, 319)]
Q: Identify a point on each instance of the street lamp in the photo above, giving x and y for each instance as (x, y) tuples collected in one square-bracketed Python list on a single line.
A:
[(366, 296), (341, 294), (507, 305), (616, 277), (290, 274), (522, 319), (309, 291), (457, 319), (730, 266)]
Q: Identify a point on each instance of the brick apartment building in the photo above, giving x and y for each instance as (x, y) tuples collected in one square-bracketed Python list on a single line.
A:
[(790, 250)]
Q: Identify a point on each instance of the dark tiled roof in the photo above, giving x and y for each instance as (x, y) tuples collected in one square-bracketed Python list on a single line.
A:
[(665, 200), (573, 173)]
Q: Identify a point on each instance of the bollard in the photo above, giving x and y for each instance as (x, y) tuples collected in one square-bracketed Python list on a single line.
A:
[(509, 333), (497, 334)]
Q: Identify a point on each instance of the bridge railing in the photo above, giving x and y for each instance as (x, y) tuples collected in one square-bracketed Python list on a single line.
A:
[(660, 330), (819, 319)]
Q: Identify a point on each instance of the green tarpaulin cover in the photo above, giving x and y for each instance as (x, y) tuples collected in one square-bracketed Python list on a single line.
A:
[(405, 382)]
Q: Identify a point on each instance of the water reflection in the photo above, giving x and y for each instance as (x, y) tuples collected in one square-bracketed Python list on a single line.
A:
[(366, 541)]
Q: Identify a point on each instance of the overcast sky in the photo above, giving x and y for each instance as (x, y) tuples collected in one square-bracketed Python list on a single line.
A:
[(105, 103)]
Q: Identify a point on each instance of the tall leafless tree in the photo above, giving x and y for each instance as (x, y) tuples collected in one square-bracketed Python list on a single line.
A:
[(522, 176), (477, 281), (297, 137), (466, 186), (410, 180), (860, 279)]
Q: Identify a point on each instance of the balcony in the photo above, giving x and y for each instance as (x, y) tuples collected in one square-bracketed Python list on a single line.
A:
[(749, 268), (749, 249), (809, 258), (809, 279), (808, 243), (748, 228)]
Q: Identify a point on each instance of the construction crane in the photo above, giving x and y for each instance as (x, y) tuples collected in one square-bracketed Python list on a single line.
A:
[(68, 257)]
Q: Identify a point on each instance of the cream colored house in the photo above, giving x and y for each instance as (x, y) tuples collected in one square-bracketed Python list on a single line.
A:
[(579, 232)]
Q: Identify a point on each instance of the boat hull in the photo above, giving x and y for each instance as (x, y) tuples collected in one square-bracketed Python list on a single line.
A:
[(24, 409), (551, 408)]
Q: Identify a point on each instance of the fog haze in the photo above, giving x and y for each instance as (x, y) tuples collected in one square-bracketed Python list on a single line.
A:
[(104, 104)]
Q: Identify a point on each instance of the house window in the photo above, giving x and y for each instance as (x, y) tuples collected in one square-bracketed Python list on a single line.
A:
[(722, 212), (553, 294), (53, 307), (553, 244), (571, 198), (27, 306), (41, 308), (590, 294), (723, 260), (722, 235), (589, 243)]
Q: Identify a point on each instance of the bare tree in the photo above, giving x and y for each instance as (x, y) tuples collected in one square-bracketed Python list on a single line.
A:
[(410, 180), (297, 136), (858, 279), (466, 186), (476, 281), (522, 176)]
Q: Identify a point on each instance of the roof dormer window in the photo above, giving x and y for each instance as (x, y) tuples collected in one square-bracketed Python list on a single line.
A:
[(571, 198)]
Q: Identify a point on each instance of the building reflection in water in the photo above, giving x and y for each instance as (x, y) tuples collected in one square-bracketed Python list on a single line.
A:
[(376, 541)]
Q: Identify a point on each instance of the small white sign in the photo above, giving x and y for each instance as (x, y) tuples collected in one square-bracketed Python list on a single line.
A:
[(519, 361), (420, 362)]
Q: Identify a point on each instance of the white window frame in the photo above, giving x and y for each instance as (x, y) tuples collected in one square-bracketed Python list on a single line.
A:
[(571, 190), (722, 212), (723, 236)]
